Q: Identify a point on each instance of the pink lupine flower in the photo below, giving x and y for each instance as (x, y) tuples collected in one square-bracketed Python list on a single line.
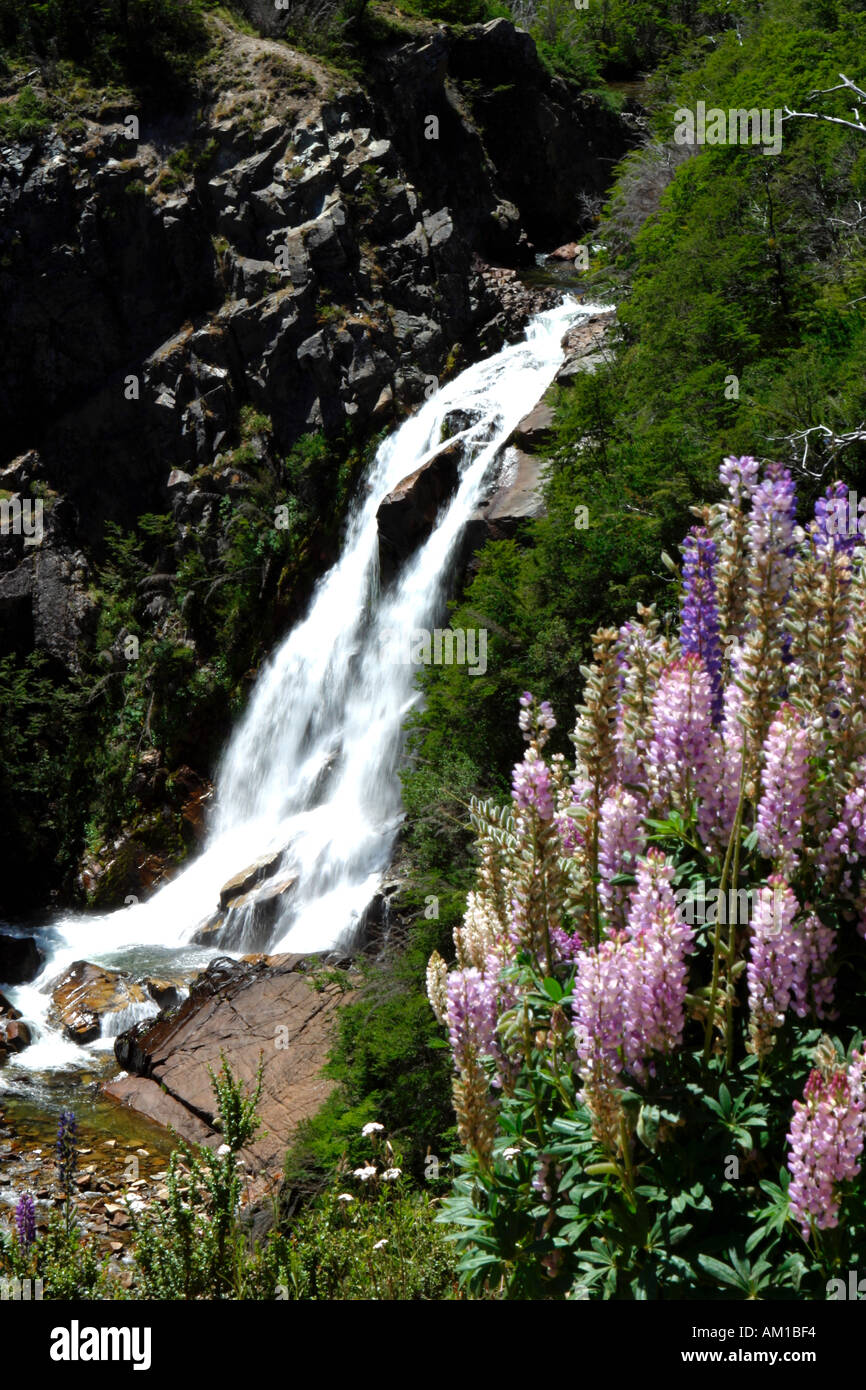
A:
[(531, 786), (682, 726), (785, 781), (659, 941), (826, 1145), (620, 841), (629, 995), (787, 961)]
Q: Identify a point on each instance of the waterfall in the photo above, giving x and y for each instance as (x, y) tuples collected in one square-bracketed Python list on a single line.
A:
[(309, 781)]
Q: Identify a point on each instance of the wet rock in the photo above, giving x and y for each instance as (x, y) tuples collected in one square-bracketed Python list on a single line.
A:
[(248, 878), (408, 514), (85, 994), (20, 959), (14, 1036), (165, 993), (516, 498), (8, 1010)]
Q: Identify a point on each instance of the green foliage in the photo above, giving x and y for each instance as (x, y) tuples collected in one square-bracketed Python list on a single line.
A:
[(146, 43), (23, 117), (457, 11), (387, 1059), (192, 1247), (701, 1214), (381, 1243)]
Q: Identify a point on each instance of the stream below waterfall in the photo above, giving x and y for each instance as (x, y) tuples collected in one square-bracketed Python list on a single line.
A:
[(309, 783)]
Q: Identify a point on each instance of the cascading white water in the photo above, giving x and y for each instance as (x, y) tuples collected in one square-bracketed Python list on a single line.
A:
[(311, 773)]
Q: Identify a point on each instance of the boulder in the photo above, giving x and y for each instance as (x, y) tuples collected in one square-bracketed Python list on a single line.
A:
[(165, 993), (568, 252), (248, 878), (8, 1010), (20, 959), (85, 994), (408, 514), (264, 1009), (14, 1036), (247, 921)]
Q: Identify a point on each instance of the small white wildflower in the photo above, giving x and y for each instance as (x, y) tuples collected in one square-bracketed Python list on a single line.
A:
[(510, 1153), (345, 1197), (365, 1174), (391, 1174), (223, 1150), (380, 1245), (372, 1128)]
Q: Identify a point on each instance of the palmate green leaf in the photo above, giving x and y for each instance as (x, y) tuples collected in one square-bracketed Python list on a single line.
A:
[(724, 1273)]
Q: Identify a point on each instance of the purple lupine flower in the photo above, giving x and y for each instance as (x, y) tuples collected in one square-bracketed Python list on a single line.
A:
[(682, 725), (598, 1004), (699, 625), (847, 840), (837, 524), (567, 946), (531, 786), (25, 1222), (826, 1145), (67, 1153), (620, 841), (785, 781), (771, 534), (814, 988), (471, 1015), (740, 476)]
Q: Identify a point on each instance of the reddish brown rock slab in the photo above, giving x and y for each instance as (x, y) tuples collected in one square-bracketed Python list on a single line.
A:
[(148, 1098), (268, 1009)]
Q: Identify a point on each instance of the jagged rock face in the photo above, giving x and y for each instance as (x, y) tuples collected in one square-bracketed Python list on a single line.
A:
[(209, 294)]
